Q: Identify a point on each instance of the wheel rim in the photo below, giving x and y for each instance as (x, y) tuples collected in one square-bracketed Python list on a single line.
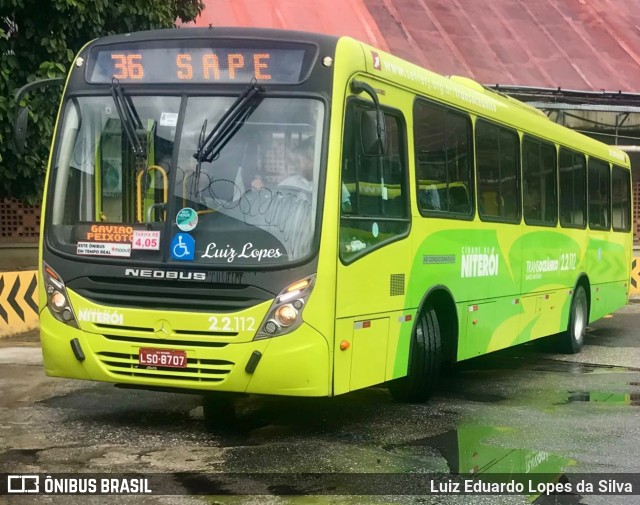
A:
[(579, 321)]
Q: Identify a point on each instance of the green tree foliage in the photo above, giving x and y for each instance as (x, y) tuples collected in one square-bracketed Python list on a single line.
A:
[(39, 39)]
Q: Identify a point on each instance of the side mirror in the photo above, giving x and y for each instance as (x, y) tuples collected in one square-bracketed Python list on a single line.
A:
[(373, 132), (20, 129), (22, 116), (373, 127)]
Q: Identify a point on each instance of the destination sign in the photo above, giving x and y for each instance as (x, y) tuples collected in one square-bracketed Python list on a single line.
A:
[(183, 64)]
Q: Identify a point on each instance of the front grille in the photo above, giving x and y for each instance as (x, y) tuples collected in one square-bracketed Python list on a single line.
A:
[(144, 335), (197, 370), (167, 341), (169, 295)]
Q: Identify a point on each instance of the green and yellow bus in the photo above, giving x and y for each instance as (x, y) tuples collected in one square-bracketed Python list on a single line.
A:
[(285, 213)]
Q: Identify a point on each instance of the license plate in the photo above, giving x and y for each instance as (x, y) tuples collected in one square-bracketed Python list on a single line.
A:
[(162, 357)]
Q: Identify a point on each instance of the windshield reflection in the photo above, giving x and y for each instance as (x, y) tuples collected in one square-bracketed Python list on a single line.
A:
[(257, 199)]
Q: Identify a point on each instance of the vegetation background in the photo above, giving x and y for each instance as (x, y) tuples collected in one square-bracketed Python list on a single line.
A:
[(39, 39)]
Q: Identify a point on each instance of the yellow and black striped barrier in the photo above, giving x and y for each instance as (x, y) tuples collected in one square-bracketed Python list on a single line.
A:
[(635, 276), (18, 302)]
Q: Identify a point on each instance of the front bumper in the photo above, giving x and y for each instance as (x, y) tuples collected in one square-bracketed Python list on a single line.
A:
[(297, 364)]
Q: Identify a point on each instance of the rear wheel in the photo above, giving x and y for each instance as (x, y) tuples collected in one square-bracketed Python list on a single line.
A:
[(425, 359), (572, 340)]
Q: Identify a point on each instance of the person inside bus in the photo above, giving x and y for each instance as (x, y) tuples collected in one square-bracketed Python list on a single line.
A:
[(301, 159), (531, 199), (430, 198)]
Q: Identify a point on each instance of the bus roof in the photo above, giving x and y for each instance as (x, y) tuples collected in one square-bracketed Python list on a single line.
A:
[(218, 32), (467, 94)]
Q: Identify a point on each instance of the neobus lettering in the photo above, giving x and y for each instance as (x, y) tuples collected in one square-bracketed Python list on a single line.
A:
[(163, 274)]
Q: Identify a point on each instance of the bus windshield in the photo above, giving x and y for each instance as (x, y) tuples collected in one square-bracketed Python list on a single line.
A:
[(254, 203)]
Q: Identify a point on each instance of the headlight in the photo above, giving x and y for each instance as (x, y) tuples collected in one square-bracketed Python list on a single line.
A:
[(57, 299), (285, 314)]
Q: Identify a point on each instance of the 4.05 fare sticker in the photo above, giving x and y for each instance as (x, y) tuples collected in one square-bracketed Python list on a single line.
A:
[(146, 240)]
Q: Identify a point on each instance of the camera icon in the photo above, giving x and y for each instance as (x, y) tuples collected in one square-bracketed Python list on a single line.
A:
[(22, 484)]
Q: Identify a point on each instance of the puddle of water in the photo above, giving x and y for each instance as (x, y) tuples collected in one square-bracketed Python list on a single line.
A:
[(467, 453), (631, 399), (16, 458), (509, 360)]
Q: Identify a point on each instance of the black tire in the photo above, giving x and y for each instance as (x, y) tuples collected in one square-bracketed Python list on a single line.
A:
[(219, 411), (425, 360), (572, 340)]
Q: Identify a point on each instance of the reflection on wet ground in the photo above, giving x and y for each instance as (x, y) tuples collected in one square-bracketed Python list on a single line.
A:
[(632, 399), (467, 452), (526, 357)]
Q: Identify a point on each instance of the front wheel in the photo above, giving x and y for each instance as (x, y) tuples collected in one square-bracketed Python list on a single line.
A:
[(572, 340), (219, 411), (425, 359)]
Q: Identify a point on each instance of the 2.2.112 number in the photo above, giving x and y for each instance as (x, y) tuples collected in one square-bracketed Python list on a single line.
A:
[(232, 324)]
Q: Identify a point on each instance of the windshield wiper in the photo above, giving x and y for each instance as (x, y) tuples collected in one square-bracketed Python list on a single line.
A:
[(209, 147), (196, 176), (129, 117)]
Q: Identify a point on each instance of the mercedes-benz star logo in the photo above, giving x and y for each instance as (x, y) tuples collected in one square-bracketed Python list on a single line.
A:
[(162, 329)]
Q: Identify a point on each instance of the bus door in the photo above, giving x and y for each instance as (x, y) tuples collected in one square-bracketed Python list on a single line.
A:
[(374, 264)]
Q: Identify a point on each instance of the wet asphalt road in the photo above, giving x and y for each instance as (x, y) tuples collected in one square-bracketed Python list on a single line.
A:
[(512, 411)]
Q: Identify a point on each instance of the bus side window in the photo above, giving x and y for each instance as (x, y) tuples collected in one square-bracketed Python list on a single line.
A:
[(573, 179), (374, 203), (442, 139), (599, 196), (539, 188), (621, 199), (497, 165)]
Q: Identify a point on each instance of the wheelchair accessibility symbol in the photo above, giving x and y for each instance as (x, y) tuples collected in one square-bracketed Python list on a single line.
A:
[(183, 247)]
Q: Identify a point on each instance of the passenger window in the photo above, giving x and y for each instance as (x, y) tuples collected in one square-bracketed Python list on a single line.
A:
[(374, 203), (599, 196), (442, 140), (497, 165), (621, 199), (573, 195), (539, 189)]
